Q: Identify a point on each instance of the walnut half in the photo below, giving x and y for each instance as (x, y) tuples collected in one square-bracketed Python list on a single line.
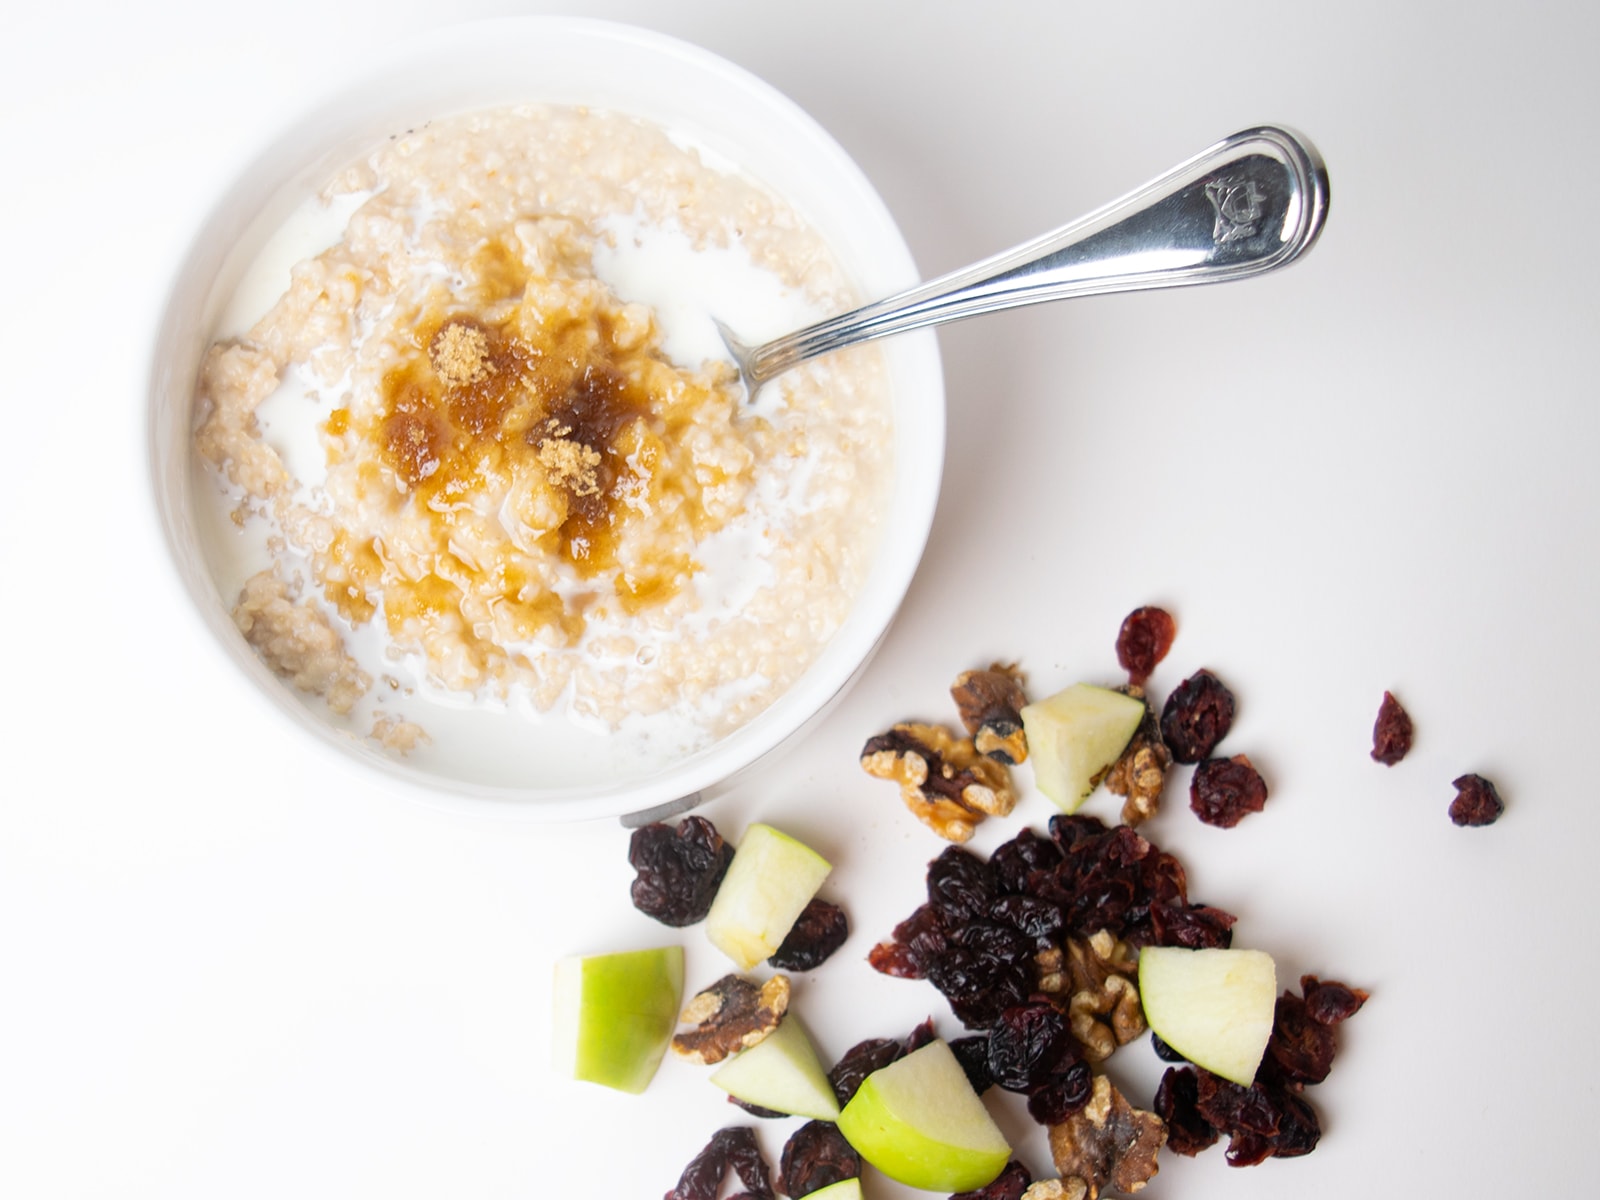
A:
[(731, 1015), (943, 780), (1108, 1143)]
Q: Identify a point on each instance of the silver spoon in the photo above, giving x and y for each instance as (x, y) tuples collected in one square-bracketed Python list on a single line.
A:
[(1251, 203)]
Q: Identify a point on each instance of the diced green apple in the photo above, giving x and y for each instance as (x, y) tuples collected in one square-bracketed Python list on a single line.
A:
[(1214, 1007), (781, 1072), (845, 1189), (919, 1122), (614, 1015), (770, 881), (1075, 737)]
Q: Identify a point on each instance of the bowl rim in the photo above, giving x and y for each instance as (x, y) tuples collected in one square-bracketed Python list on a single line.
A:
[(247, 200)]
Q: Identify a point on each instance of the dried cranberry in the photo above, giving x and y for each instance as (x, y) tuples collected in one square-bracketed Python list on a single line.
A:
[(1008, 1185), (920, 1036), (820, 930), (1197, 715), (1177, 1103), (816, 1156), (1163, 1051), (972, 1052), (1016, 860), (679, 869), (917, 942), (858, 1062), (1226, 790), (960, 885), (1477, 801), (1330, 1002), (1053, 1101), (1192, 926), (1391, 735), (1143, 641), (1029, 1044), (1300, 1050), (734, 1147)]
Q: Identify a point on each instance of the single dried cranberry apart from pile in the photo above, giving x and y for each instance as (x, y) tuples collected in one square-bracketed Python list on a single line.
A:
[(816, 1156), (1143, 641), (1391, 735), (679, 869), (820, 930), (1226, 790), (732, 1148), (1196, 717), (1008, 1185), (1477, 801), (1330, 1002), (1177, 1103)]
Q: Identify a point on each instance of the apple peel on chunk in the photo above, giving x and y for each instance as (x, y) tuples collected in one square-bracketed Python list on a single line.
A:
[(919, 1122), (768, 885), (781, 1072), (1076, 736), (614, 1014), (1214, 1007)]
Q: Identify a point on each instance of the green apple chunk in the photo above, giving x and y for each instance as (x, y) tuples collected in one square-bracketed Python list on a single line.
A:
[(781, 1072), (770, 881), (845, 1189), (919, 1122), (614, 1015), (1214, 1007), (1075, 737)]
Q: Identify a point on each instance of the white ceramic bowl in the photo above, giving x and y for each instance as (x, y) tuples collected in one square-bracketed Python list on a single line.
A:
[(717, 106)]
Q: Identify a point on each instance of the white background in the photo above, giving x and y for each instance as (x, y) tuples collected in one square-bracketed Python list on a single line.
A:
[(230, 966)]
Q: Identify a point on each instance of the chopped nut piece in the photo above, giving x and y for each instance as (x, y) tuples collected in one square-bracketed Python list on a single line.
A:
[(1141, 772), (1108, 1143), (732, 1014), (1057, 1189), (1104, 1003), (990, 703), (943, 780)]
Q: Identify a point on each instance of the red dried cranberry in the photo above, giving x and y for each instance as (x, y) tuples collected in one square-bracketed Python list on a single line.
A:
[(1300, 1050), (679, 869), (734, 1147), (821, 929), (1477, 801), (1391, 735), (1177, 1103), (816, 1156), (1008, 1185), (1226, 790), (1196, 717), (917, 942), (1330, 1002), (1143, 641)]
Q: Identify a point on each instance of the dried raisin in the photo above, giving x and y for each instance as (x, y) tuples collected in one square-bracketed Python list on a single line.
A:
[(821, 929), (1008, 1185), (1196, 716), (679, 869), (816, 1156), (734, 1148)]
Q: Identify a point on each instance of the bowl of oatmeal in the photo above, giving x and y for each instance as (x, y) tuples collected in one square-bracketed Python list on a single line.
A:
[(453, 464)]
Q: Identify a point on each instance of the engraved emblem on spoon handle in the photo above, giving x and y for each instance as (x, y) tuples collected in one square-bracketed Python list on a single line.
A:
[(1249, 204)]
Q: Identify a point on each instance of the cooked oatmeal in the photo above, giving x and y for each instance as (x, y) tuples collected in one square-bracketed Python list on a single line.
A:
[(517, 495)]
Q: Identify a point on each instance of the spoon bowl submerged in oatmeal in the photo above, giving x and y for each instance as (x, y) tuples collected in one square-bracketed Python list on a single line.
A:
[(476, 481)]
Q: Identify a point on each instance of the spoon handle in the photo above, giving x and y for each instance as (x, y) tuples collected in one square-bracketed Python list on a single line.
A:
[(1251, 203)]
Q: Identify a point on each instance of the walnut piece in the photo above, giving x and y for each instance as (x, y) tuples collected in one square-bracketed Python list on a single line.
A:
[(1103, 1004), (732, 1014), (990, 703), (1108, 1143), (1057, 1189), (1141, 773), (943, 779)]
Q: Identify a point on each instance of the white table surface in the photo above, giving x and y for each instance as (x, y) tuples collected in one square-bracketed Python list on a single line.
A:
[(230, 966)]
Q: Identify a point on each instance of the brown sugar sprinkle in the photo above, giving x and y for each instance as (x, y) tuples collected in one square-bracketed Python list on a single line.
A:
[(1477, 801), (1392, 734), (570, 464), (460, 353)]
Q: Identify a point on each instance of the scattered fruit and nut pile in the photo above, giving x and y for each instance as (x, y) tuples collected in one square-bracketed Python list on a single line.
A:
[(1053, 952)]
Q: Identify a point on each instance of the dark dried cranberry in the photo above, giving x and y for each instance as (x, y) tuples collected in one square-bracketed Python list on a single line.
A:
[(1299, 1130), (734, 1147), (972, 1052), (1300, 1050), (1192, 926), (820, 930), (920, 1036), (1330, 1002), (679, 869), (859, 1061), (1226, 790), (1053, 1101), (1008, 1185), (816, 1156), (1477, 801), (1143, 641), (1029, 1044), (980, 987), (1177, 1103), (1262, 1121), (960, 885), (1163, 1051), (1028, 915), (1391, 735), (1196, 717)]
